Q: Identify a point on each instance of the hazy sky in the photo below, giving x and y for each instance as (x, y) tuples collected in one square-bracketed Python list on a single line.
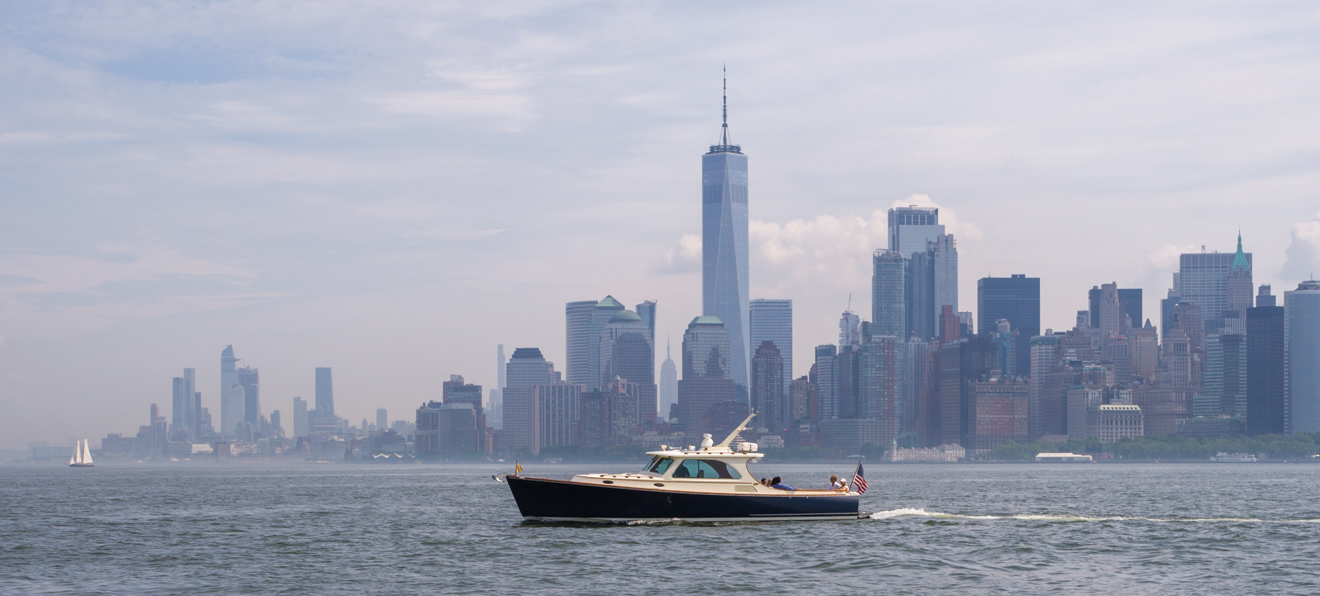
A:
[(393, 190)]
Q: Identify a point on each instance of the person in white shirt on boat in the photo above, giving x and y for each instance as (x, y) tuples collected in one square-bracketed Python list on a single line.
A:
[(837, 484)]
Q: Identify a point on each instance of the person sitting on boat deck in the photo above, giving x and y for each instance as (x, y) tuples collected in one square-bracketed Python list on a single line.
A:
[(779, 484), (765, 482), (836, 484)]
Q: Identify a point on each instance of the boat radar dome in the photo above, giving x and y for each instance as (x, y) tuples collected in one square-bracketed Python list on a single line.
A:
[(706, 441)]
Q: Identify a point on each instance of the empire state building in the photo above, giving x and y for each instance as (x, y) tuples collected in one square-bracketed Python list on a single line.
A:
[(724, 244)]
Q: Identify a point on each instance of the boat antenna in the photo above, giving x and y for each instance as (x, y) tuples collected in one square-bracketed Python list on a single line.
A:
[(741, 427)]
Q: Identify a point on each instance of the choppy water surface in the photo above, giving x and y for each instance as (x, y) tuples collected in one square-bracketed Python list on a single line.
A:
[(1024, 529)]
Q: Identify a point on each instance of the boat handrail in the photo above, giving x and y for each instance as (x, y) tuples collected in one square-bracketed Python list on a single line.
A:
[(741, 427)]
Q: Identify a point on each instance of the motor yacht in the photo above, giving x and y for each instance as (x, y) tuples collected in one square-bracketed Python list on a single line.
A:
[(706, 483)]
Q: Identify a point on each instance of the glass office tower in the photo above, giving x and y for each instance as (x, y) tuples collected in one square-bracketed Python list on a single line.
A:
[(724, 246)]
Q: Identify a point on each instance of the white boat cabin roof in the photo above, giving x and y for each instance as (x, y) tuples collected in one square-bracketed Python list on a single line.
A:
[(706, 453), (746, 451)]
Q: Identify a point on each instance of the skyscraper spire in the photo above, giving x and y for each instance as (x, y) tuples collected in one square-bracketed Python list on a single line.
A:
[(1240, 259), (724, 145), (724, 130)]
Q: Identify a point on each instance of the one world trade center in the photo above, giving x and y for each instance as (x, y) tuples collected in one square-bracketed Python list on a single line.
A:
[(724, 244)]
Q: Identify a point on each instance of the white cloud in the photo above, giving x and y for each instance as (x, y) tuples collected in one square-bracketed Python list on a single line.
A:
[(1165, 257), (1302, 258), (685, 257), (827, 253), (828, 249)]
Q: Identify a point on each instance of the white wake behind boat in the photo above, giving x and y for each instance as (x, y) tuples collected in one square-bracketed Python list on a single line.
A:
[(82, 455)]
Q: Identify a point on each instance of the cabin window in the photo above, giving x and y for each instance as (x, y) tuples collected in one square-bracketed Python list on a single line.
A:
[(661, 464), (705, 468)]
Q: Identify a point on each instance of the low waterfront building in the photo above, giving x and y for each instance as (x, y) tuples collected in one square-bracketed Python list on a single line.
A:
[(1211, 427), (946, 453), (1062, 458)]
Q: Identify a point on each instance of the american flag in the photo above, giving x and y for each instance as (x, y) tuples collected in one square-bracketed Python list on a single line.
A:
[(859, 481)]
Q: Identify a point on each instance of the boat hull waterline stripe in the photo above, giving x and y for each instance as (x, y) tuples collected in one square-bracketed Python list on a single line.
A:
[(559, 500)]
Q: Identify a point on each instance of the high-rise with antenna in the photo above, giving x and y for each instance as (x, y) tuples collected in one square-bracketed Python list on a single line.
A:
[(724, 243)]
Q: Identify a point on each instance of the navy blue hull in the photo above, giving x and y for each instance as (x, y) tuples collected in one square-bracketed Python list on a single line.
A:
[(562, 500)]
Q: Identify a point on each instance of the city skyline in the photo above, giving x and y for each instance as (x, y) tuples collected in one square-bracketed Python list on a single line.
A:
[(260, 240)]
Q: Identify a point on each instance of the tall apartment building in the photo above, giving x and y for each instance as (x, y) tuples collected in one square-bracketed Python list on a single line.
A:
[(772, 320), (1017, 300), (527, 368), (1302, 326), (1266, 370)]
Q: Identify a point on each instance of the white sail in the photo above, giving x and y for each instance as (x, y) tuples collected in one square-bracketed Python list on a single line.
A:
[(77, 451), (87, 451)]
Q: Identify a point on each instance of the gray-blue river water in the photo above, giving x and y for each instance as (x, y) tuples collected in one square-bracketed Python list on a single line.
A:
[(419, 529)]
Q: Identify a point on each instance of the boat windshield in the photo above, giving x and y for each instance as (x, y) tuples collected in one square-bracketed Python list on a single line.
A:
[(706, 468), (659, 464)]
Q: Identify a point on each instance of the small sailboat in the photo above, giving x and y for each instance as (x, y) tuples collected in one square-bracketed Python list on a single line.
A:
[(82, 455)]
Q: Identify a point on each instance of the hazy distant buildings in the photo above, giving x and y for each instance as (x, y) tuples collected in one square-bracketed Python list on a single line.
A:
[(706, 388), (768, 398), (916, 384), (930, 275), (578, 364), (609, 415), (887, 289), (458, 391), (772, 320), (646, 310), (1302, 311), (585, 321), (187, 406), (997, 411), (382, 419), (231, 393), (250, 379), (526, 369), (912, 227), (957, 366), (827, 381), (668, 386), (1203, 279), (879, 366), (559, 414), (1266, 370), (724, 288), (497, 394), (300, 427), (325, 393), (1044, 413), (931, 283), (626, 353), (446, 430), (1226, 374), (1122, 304), (1017, 300), (1237, 289)]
